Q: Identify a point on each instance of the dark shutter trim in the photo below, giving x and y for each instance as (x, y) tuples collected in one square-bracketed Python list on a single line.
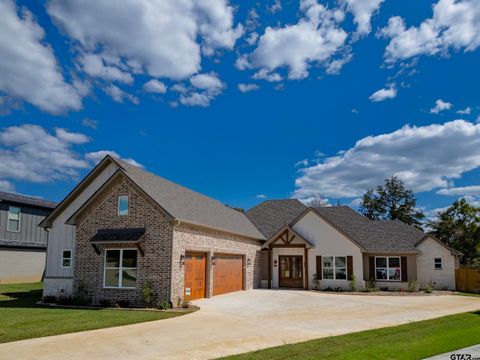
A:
[(404, 268), (371, 267), (350, 268), (319, 267)]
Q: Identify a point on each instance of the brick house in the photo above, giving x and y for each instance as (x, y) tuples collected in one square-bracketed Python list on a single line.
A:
[(127, 227)]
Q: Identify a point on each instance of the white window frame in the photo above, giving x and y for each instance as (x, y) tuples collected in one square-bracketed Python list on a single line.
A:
[(435, 263), (67, 258), (334, 267), (118, 205), (120, 269), (10, 218), (388, 267)]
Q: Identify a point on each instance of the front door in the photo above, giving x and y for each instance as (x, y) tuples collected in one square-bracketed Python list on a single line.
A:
[(291, 271), (195, 275)]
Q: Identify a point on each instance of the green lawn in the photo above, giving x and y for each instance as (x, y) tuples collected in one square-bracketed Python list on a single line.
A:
[(467, 294), (411, 341), (21, 319)]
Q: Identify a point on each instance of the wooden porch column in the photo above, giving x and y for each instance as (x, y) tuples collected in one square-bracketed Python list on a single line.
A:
[(270, 268), (306, 268)]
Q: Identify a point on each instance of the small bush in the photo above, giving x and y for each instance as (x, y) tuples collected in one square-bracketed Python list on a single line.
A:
[(372, 286), (429, 288), (80, 296), (413, 286), (186, 302), (147, 293), (316, 280), (352, 284), (164, 304)]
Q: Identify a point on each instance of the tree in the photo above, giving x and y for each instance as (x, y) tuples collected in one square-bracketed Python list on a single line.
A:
[(318, 201), (391, 201), (459, 227)]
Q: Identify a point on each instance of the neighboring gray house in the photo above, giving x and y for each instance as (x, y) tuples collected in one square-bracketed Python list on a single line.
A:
[(22, 242)]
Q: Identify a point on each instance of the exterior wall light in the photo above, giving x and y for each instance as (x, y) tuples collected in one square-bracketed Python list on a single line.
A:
[(249, 262), (213, 259), (182, 259), (275, 262)]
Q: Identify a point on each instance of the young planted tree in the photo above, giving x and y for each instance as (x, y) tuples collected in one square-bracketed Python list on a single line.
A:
[(459, 227), (391, 201)]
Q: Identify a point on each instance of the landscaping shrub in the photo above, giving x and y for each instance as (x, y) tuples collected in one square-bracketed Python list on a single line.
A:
[(164, 304), (147, 293), (429, 288), (372, 285), (413, 286), (352, 284)]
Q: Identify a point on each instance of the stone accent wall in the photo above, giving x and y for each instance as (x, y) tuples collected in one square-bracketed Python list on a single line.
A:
[(154, 266), (191, 238)]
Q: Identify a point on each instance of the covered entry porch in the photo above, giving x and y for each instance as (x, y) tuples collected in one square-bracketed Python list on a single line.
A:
[(287, 257)]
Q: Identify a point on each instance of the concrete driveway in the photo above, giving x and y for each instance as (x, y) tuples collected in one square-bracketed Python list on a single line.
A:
[(240, 322)]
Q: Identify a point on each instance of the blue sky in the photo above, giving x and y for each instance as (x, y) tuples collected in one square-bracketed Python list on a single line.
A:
[(244, 101)]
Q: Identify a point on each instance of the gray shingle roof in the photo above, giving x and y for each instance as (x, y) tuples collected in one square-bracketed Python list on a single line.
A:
[(371, 235), (190, 206), (271, 215), (27, 200), (401, 231)]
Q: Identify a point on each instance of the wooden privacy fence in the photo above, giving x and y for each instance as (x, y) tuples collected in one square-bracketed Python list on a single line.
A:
[(467, 280)]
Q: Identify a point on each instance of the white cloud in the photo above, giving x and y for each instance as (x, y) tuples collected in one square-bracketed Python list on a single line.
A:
[(384, 94), (362, 11), (455, 24), (195, 99), (28, 68), (303, 163), (412, 153), (94, 65), (440, 106), (264, 74), (6, 186), (313, 40), (30, 153), (155, 86), (466, 111), (473, 190), (90, 123), (71, 137), (261, 196), (209, 82), (97, 156), (118, 95), (159, 38), (276, 6), (247, 87)]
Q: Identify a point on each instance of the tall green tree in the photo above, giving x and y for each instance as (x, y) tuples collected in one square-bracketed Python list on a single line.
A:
[(391, 201), (459, 227)]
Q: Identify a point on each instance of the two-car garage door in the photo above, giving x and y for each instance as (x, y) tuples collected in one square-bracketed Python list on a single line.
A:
[(227, 274)]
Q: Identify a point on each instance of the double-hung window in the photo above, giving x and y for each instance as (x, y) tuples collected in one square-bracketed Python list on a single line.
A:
[(120, 268), (438, 263), (387, 268), (13, 221), (334, 267), (66, 258)]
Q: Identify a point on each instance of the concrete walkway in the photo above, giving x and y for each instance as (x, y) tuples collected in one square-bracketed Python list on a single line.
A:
[(471, 353), (241, 322)]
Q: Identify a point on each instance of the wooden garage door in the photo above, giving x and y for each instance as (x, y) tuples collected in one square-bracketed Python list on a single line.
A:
[(195, 270), (227, 274)]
